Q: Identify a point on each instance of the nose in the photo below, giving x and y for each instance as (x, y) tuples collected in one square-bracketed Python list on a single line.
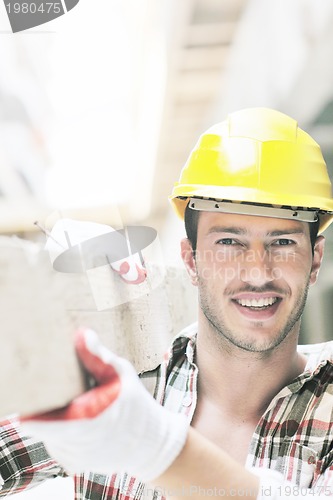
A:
[(256, 267)]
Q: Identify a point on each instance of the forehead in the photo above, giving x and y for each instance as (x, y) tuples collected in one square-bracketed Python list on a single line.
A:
[(248, 224)]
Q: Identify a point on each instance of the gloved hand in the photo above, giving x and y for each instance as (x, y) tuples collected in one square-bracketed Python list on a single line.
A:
[(114, 427)]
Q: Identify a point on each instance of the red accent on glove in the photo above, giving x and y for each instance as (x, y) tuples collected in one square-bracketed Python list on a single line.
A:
[(96, 400)]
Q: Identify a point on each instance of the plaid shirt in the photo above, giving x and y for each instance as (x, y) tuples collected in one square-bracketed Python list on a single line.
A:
[(293, 437)]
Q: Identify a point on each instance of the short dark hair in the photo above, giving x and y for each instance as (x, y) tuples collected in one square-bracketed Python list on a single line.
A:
[(191, 220)]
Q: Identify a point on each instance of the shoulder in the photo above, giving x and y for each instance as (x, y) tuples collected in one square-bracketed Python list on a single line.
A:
[(323, 349), (317, 355)]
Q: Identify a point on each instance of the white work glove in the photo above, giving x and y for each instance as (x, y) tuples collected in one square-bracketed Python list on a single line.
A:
[(115, 427)]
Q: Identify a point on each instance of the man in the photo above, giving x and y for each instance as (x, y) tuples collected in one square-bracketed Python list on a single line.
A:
[(254, 194)]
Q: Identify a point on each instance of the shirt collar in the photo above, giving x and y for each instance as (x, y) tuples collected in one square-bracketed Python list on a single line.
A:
[(185, 343), (318, 355)]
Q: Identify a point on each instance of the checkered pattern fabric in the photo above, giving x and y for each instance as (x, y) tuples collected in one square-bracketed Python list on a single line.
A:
[(293, 437)]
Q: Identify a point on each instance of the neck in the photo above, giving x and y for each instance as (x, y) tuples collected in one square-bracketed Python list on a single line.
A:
[(243, 382)]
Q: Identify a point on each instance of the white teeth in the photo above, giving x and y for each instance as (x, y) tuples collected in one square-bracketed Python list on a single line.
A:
[(262, 302)]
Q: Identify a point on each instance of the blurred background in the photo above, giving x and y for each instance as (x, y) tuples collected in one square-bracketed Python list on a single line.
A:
[(100, 108)]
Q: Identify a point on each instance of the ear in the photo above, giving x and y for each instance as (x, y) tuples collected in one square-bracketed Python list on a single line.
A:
[(189, 260), (318, 253)]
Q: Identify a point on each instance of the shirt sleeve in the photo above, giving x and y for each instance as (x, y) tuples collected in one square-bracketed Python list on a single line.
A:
[(24, 462), (273, 485)]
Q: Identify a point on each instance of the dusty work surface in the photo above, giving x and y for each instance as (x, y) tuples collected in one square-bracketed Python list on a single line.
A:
[(40, 309)]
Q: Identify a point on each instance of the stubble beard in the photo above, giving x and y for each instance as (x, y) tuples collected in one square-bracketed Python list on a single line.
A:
[(218, 324)]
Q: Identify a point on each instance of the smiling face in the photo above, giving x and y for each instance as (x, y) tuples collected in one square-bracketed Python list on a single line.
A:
[(253, 275)]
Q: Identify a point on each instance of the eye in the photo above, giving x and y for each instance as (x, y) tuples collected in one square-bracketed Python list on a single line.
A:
[(283, 242), (227, 242)]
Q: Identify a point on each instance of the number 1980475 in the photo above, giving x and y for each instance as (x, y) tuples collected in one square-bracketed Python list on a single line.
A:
[(34, 8)]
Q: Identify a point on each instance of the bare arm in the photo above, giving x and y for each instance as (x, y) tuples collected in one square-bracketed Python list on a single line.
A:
[(202, 468)]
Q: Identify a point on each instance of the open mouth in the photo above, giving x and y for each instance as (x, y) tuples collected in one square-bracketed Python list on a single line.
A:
[(257, 304)]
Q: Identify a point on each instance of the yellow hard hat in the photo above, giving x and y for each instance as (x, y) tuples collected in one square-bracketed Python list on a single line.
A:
[(260, 160)]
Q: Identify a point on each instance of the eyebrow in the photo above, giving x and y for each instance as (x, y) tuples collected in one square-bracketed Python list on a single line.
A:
[(226, 229), (241, 231), (288, 231)]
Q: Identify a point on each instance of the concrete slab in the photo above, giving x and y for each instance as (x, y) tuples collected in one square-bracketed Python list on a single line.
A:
[(40, 309)]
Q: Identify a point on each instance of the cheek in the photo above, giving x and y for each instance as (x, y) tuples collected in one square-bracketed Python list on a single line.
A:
[(295, 271), (298, 262), (217, 274)]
